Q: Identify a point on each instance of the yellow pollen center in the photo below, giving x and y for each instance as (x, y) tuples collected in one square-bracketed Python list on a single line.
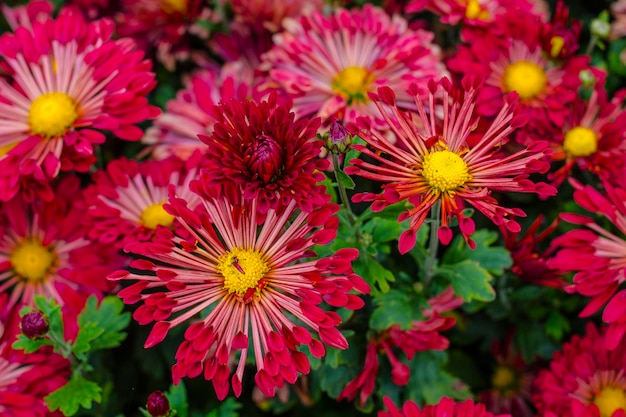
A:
[(556, 46), (580, 141), (353, 84), (525, 77), (474, 10), (31, 260), (445, 171), (610, 400), (52, 114), (174, 6), (242, 270), (155, 215), (503, 378)]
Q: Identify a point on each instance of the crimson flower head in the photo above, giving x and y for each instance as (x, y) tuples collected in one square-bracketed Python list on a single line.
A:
[(596, 254), (434, 161), (258, 281), (260, 149), (446, 407), (560, 37)]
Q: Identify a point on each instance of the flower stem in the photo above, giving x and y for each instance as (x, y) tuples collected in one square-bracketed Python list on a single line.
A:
[(343, 194), (433, 243)]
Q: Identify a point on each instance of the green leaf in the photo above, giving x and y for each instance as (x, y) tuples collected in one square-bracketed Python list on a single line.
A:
[(29, 345), (469, 280), (345, 180), (228, 408), (177, 396), (78, 392), (87, 333), (395, 307), (107, 316), (50, 308), (556, 325), (376, 275), (384, 230), (493, 259)]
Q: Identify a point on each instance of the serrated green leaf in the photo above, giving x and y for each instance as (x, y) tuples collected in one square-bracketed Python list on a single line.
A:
[(395, 307), (29, 345), (556, 325), (87, 333), (494, 259), (376, 275), (385, 230), (469, 280), (50, 308), (109, 317), (228, 408), (177, 396), (334, 380), (78, 392), (345, 180)]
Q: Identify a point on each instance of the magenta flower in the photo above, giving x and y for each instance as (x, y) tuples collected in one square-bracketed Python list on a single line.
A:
[(259, 280)]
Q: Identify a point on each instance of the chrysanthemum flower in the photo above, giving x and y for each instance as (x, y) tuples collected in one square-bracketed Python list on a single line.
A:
[(597, 255), (257, 147), (584, 378), (259, 280), (165, 27), (421, 336), (433, 162), (511, 57), (328, 64), (193, 112), (126, 199), (592, 138), (25, 14), (65, 78), (44, 250), (269, 14), (446, 407)]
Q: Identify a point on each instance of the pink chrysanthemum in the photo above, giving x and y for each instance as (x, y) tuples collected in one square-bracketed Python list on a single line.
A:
[(597, 256), (511, 58), (193, 112), (269, 14), (259, 278), (165, 27), (423, 335), (37, 10), (44, 250), (65, 78), (592, 138), (584, 379), (328, 64), (446, 407), (126, 200), (257, 147), (434, 162)]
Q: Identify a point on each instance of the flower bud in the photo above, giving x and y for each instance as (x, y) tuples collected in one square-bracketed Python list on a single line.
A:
[(34, 325), (338, 139), (600, 28), (158, 405)]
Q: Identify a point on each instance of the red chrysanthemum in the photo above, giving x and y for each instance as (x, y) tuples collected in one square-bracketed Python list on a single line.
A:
[(65, 81), (597, 255), (584, 379), (45, 250), (259, 280), (125, 201), (269, 14), (446, 407), (257, 147), (435, 162)]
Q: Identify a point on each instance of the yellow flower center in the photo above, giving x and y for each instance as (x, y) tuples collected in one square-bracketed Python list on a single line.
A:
[(525, 77), (52, 114), (155, 215), (556, 46), (31, 260), (445, 171), (503, 378), (242, 270), (353, 84), (474, 10), (580, 141), (174, 6), (609, 400)]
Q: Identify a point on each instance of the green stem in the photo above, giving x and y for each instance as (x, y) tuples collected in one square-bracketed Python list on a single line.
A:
[(591, 45), (64, 348), (343, 194), (433, 243)]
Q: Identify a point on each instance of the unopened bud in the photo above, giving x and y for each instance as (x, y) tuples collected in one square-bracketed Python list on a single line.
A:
[(338, 139), (600, 28), (158, 405), (34, 325)]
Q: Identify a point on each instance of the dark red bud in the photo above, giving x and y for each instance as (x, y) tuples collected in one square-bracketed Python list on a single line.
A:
[(35, 325), (158, 404), (265, 158)]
